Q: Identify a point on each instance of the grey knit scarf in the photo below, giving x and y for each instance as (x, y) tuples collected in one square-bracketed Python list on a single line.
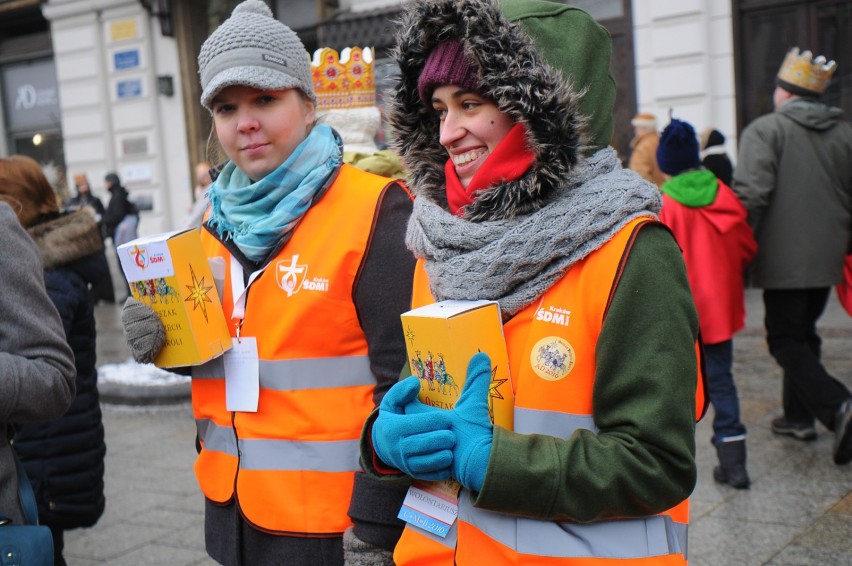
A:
[(514, 261)]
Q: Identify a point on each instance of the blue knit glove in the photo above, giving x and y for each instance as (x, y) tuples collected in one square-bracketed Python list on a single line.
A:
[(471, 425), (412, 437)]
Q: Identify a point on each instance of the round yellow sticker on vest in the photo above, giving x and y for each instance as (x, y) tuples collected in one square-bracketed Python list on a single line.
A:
[(552, 358)]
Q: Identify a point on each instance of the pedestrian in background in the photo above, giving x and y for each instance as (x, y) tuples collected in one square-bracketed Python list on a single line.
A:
[(101, 290), (317, 274), (794, 176), (84, 197), (643, 157), (121, 219), (503, 115), (347, 103), (64, 458), (36, 363), (195, 215), (710, 225), (714, 156)]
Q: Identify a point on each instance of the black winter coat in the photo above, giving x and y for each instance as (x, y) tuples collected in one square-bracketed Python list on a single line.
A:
[(118, 207), (64, 458)]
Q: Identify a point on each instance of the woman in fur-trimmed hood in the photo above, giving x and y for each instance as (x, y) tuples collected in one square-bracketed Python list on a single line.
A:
[(503, 114), (560, 124), (573, 195), (64, 458)]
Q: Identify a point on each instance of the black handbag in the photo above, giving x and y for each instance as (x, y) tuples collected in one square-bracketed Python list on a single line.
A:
[(30, 544)]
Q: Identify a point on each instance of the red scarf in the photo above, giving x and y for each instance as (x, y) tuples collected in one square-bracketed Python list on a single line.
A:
[(508, 162)]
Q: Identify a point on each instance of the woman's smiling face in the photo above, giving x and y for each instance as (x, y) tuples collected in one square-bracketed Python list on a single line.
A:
[(471, 128)]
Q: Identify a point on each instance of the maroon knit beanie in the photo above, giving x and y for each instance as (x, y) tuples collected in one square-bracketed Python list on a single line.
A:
[(447, 64)]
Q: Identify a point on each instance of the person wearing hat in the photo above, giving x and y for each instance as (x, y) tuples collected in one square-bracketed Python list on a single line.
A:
[(794, 176), (709, 223), (643, 156), (714, 156), (84, 197), (316, 276), (102, 289), (346, 93), (121, 219), (503, 114)]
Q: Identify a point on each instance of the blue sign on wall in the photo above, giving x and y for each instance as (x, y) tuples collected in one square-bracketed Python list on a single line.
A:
[(126, 59), (130, 88)]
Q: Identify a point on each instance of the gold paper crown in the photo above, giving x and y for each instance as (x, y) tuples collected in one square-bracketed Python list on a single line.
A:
[(345, 80), (802, 71)]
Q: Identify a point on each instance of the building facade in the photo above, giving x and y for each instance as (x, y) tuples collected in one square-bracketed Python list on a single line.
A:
[(91, 86)]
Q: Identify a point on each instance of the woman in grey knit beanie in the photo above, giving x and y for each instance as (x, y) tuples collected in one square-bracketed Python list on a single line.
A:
[(316, 276)]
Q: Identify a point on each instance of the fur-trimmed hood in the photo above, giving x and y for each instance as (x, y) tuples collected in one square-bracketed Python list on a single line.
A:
[(67, 238), (515, 75)]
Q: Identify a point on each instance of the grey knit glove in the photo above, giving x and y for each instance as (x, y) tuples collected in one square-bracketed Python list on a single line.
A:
[(143, 330), (356, 552)]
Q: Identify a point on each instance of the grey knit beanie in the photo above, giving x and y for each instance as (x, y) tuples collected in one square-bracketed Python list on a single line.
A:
[(254, 49)]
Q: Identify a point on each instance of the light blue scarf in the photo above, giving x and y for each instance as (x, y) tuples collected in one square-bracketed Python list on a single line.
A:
[(259, 215)]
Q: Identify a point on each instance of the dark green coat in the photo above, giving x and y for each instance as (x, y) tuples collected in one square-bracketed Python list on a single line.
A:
[(794, 176)]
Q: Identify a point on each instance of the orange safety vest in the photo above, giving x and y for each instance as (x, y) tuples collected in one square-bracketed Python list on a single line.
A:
[(547, 341), (291, 464)]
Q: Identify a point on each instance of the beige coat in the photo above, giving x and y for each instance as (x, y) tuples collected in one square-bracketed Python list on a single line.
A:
[(643, 160)]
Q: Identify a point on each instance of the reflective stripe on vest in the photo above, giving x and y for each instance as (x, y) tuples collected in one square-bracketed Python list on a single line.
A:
[(627, 538), (340, 456), (292, 462), (296, 375), (561, 425)]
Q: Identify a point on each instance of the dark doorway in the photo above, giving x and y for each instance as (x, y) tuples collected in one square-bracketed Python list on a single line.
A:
[(764, 30)]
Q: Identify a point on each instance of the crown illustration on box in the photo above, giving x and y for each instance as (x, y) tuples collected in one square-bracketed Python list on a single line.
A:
[(345, 80), (803, 71)]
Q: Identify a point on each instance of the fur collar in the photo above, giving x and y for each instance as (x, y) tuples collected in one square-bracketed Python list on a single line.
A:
[(514, 75), (67, 238)]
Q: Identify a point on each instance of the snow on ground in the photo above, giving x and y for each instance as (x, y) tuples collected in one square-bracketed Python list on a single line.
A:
[(131, 373)]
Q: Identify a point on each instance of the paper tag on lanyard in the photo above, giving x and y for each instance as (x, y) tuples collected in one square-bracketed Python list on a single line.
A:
[(242, 365), (431, 506)]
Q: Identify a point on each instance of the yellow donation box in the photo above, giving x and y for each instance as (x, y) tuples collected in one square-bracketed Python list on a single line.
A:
[(169, 272), (442, 337)]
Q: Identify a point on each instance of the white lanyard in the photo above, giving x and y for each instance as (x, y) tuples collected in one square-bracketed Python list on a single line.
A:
[(242, 377), (238, 291)]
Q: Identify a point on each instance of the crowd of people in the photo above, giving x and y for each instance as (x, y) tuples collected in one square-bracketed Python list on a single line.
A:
[(503, 187)]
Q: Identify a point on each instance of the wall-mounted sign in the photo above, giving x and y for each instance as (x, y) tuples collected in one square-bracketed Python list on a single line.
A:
[(123, 29), (31, 95), (128, 59), (130, 88), (134, 146), (139, 173)]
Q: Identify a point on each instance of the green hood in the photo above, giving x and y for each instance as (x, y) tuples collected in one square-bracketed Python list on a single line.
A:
[(582, 56), (694, 188)]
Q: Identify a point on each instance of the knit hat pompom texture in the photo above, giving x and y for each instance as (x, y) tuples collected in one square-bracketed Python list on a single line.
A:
[(252, 48), (678, 149), (447, 64)]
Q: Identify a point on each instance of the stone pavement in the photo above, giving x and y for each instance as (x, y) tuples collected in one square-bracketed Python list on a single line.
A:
[(797, 512)]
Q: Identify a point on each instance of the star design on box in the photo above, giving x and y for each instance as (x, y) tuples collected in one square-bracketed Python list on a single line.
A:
[(493, 392), (199, 293), (409, 335)]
